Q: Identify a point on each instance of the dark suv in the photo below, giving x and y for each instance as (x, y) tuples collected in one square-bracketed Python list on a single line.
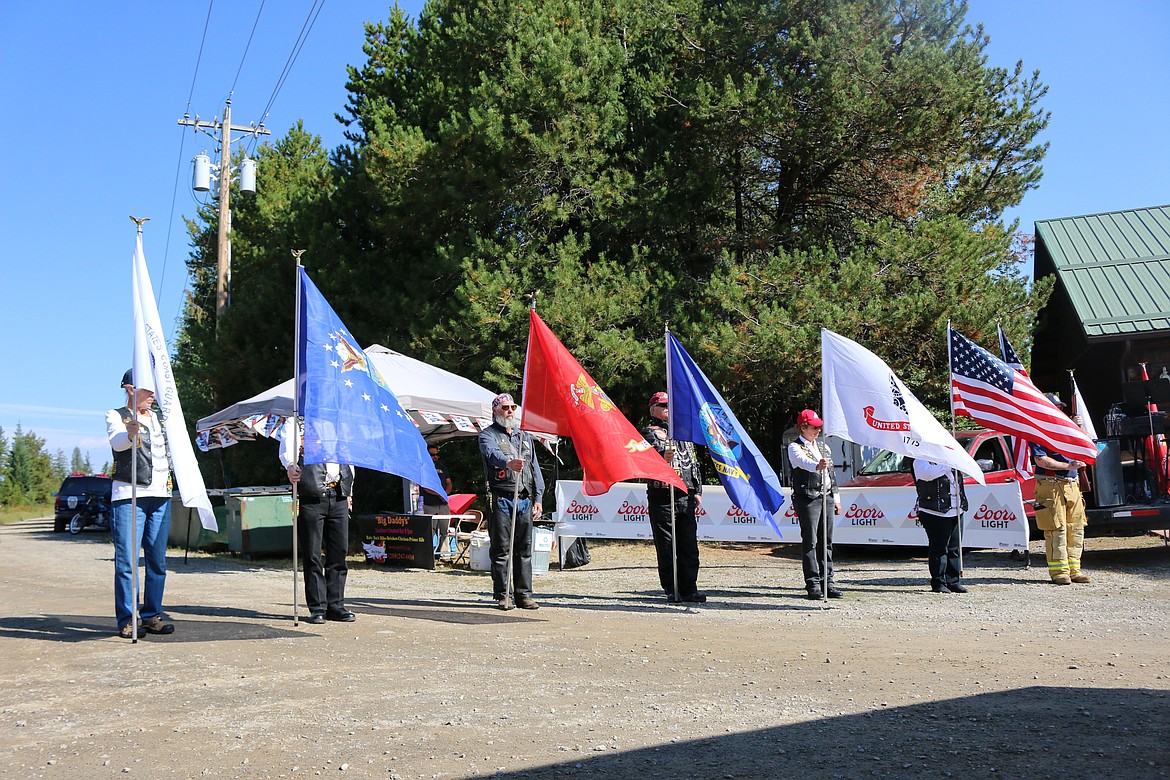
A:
[(73, 494)]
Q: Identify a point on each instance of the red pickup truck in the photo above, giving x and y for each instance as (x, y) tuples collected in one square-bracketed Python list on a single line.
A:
[(1133, 508), (989, 449)]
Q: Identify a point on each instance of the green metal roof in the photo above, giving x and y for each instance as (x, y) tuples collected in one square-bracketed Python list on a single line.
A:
[(1115, 268)]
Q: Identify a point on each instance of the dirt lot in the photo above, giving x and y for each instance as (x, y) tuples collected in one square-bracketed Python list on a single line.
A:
[(1018, 678)]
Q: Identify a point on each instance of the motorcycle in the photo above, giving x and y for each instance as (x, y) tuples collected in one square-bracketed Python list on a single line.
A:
[(95, 512)]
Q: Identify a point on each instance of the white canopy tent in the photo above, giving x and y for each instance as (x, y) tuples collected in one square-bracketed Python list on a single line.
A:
[(443, 405)]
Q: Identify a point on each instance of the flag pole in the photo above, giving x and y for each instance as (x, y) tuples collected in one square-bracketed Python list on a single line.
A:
[(824, 530), (675, 596), (296, 427), (509, 580), (954, 472), (133, 541)]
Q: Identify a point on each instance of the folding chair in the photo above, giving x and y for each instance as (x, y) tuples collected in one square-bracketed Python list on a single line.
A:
[(463, 535)]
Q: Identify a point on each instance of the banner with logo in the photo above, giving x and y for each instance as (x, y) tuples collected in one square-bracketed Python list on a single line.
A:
[(883, 515)]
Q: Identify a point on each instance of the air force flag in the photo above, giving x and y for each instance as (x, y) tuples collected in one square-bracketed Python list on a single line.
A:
[(699, 414), (351, 415)]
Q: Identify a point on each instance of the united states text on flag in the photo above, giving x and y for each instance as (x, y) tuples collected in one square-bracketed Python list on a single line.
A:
[(1003, 399), (152, 370), (865, 402)]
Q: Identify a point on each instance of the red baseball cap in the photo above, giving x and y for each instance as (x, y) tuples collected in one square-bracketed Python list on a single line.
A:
[(658, 398), (809, 417)]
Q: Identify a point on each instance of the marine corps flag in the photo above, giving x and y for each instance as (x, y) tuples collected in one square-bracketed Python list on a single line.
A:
[(699, 414), (560, 397)]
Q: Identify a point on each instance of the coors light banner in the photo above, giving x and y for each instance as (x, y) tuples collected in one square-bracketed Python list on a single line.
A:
[(885, 515)]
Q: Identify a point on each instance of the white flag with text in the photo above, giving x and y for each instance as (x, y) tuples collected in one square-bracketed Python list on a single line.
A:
[(152, 370), (865, 402)]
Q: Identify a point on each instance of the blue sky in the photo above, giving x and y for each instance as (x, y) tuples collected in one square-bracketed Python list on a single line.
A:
[(91, 94)]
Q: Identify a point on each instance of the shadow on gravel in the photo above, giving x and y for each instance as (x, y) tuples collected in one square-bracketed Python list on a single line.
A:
[(85, 628), (1027, 733), (474, 613)]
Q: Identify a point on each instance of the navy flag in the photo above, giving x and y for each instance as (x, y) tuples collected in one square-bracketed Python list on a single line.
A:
[(351, 415), (699, 414)]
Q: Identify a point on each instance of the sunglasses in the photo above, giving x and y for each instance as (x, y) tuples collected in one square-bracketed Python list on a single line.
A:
[(661, 406), (508, 407)]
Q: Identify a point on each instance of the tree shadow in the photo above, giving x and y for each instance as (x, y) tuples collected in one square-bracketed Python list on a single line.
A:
[(85, 628), (1036, 732)]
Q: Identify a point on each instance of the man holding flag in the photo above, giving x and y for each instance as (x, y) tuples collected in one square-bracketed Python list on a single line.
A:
[(681, 540), (516, 487), (140, 516), (1003, 398), (351, 418), (147, 448)]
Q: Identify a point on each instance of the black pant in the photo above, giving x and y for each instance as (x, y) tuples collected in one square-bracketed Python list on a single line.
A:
[(812, 540), (325, 521), (942, 548), (500, 535), (687, 543)]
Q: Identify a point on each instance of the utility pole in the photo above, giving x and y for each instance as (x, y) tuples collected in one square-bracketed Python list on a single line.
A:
[(224, 248)]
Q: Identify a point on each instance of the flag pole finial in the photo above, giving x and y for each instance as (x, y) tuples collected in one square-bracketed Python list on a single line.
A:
[(296, 253), (531, 298), (139, 222)]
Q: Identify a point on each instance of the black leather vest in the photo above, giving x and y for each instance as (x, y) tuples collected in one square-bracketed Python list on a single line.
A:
[(809, 483), (504, 480), (934, 496), (313, 476), (122, 465), (685, 462)]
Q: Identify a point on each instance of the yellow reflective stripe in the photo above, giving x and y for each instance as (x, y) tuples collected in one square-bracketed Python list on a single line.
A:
[(1058, 564)]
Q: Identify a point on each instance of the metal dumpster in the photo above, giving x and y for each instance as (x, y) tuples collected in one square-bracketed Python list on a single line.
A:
[(188, 533), (259, 520)]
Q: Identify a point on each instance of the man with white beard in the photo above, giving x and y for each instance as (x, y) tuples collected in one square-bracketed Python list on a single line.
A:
[(515, 487)]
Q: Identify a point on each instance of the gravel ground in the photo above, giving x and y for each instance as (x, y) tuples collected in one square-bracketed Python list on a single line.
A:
[(1018, 678)]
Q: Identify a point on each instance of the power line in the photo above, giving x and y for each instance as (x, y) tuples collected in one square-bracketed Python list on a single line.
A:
[(248, 46), (306, 28), (199, 57), (179, 162)]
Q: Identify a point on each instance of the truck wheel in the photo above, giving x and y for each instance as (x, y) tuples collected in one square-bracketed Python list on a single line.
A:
[(59, 525)]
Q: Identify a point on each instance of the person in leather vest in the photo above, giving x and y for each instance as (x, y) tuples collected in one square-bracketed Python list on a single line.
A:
[(941, 501), (683, 459), (514, 479), (325, 499), (812, 478), (136, 433)]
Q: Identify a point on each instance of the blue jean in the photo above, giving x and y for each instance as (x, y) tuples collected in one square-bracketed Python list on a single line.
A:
[(154, 523)]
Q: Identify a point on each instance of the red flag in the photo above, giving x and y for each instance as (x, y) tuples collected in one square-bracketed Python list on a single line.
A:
[(1155, 446), (560, 397)]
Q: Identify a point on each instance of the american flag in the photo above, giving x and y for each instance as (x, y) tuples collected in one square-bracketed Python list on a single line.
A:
[(987, 390), (1021, 455)]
